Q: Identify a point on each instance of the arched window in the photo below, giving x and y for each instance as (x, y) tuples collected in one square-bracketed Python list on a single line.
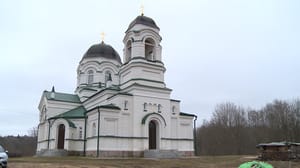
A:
[(149, 49), (128, 51), (94, 129), (90, 77), (108, 76)]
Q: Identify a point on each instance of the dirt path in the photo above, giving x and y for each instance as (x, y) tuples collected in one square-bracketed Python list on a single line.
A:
[(51, 165)]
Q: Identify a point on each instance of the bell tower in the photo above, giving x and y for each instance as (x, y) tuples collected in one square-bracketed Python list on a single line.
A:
[(142, 54), (142, 39)]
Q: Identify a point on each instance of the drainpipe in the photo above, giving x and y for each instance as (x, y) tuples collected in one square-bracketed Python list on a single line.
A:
[(84, 139), (195, 137), (37, 138), (48, 134), (98, 132)]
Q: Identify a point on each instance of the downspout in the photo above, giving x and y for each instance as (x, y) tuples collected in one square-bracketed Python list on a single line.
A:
[(37, 138), (84, 139), (98, 132), (195, 137), (48, 134)]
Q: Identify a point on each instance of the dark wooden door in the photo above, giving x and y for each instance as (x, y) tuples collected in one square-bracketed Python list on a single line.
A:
[(61, 136), (152, 135)]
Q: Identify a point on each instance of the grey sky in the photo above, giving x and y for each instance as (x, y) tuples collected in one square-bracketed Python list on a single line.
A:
[(245, 51)]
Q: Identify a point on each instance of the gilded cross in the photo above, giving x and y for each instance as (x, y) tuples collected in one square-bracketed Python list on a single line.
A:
[(142, 10), (102, 36)]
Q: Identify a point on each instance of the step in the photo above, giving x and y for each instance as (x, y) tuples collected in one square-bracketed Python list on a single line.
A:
[(156, 153), (52, 152)]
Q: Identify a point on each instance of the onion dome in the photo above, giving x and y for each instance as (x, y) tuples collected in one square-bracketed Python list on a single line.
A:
[(102, 50), (144, 20)]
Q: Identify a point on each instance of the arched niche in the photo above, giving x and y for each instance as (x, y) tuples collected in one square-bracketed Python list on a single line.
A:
[(128, 50), (149, 49)]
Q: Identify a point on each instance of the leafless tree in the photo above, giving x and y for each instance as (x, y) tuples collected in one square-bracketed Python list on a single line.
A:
[(33, 132), (234, 130)]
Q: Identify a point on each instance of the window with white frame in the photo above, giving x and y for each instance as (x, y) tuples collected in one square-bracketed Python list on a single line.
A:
[(128, 51), (173, 109), (145, 106), (125, 105), (149, 49), (159, 108), (108, 76), (90, 79)]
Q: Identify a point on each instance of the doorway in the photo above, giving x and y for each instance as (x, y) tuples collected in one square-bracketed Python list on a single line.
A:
[(152, 135), (61, 137)]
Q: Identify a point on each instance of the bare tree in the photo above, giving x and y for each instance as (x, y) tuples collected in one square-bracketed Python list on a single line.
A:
[(234, 130), (33, 132)]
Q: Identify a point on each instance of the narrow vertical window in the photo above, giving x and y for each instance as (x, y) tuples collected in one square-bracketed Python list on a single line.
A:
[(125, 105), (128, 51), (94, 129), (108, 76), (90, 77), (173, 109), (145, 106), (159, 108)]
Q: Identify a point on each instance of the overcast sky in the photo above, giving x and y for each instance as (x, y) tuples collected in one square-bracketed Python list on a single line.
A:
[(243, 51)]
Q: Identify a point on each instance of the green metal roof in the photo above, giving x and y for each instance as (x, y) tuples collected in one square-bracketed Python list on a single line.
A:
[(187, 114), (88, 88), (78, 112), (65, 97), (110, 106), (175, 100), (71, 124)]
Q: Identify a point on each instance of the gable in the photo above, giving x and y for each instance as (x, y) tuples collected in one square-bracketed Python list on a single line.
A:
[(78, 112)]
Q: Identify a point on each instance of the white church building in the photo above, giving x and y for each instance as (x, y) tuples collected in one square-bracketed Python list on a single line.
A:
[(119, 108)]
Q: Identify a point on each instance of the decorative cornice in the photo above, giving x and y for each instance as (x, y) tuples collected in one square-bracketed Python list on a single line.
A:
[(141, 79), (178, 139)]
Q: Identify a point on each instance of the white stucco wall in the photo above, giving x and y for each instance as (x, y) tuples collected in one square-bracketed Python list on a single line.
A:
[(147, 98)]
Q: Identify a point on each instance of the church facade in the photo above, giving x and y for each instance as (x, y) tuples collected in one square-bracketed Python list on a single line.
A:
[(118, 108)]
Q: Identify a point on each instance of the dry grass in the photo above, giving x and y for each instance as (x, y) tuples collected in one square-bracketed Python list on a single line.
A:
[(87, 162)]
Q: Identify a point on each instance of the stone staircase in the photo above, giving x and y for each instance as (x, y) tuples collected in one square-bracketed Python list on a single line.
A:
[(156, 153), (52, 152)]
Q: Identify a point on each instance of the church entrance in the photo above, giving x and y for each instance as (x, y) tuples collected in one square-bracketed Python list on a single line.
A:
[(61, 137), (152, 135)]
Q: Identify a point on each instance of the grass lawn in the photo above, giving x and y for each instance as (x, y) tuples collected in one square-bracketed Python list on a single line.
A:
[(88, 162)]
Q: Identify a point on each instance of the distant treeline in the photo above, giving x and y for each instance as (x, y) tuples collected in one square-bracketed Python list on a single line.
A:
[(236, 130), (19, 145), (231, 130)]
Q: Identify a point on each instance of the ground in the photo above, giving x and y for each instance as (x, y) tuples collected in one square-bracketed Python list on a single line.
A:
[(86, 162)]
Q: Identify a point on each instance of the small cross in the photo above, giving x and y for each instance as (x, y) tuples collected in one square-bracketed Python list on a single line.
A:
[(102, 36), (142, 10)]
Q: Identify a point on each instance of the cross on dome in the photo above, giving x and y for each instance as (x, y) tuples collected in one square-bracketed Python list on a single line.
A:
[(142, 10), (102, 36)]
